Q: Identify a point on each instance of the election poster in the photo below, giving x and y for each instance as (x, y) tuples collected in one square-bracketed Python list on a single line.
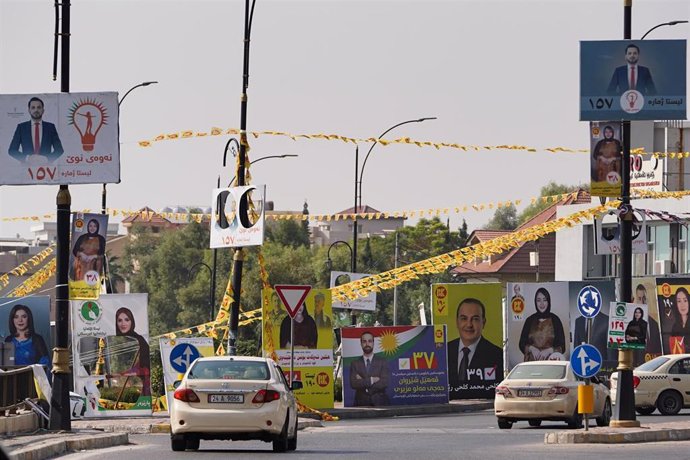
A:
[(606, 158), (627, 326), (63, 138), (238, 216), (313, 360), (178, 354), (644, 290), (111, 354), (367, 302), (473, 315), (633, 80), (673, 297), (25, 326), (394, 365), (538, 322), (87, 255)]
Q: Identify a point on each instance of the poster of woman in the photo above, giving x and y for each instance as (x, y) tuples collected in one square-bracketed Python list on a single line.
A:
[(112, 356), (87, 256), (25, 325), (674, 314), (540, 330)]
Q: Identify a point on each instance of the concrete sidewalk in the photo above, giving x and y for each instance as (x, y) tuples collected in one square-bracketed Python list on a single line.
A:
[(101, 433), (667, 431)]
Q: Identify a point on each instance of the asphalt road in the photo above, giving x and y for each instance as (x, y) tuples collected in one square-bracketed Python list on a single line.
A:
[(466, 436)]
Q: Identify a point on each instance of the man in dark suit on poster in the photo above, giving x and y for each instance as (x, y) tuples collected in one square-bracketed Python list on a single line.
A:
[(632, 76), (35, 138), (369, 375), (475, 365)]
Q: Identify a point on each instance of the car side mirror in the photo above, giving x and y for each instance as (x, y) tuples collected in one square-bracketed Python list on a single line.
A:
[(296, 385), (176, 384)]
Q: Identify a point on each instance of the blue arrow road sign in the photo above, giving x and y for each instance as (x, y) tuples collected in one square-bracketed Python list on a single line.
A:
[(182, 355), (585, 361), (589, 301)]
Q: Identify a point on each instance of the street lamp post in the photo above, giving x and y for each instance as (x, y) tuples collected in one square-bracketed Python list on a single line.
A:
[(329, 262), (670, 23), (212, 287), (359, 174)]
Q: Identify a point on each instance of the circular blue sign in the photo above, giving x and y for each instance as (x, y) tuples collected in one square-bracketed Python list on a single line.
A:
[(589, 301), (585, 360), (182, 355)]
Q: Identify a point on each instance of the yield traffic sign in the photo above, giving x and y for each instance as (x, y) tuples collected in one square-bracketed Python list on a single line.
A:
[(292, 296)]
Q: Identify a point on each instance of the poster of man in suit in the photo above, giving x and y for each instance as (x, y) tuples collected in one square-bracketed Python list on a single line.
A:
[(473, 316), (633, 80), (35, 138)]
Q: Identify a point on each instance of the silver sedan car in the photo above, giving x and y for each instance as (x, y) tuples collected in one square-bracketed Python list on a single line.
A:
[(234, 398)]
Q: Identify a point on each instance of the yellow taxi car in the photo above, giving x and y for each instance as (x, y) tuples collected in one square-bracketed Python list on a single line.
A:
[(662, 383), (234, 398), (546, 390)]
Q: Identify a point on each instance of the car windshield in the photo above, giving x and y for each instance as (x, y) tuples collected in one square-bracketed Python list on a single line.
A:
[(654, 364), (229, 370), (537, 372)]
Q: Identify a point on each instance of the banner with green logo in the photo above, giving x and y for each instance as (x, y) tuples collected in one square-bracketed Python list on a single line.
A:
[(111, 354)]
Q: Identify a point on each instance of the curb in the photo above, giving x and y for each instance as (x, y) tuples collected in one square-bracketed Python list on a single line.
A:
[(397, 411), (620, 436), (51, 448)]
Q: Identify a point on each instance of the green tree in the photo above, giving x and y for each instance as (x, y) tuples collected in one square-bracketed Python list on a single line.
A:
[(552, 188), (288, 233), (505, 218)]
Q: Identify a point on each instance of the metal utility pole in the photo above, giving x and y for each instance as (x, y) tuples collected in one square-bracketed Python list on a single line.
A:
[(353, 315), (60, 416), (624, 410), (238, 258)]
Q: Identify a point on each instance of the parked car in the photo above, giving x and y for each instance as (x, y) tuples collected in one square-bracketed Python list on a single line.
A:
[(546, 390), (234, 398), (662, 383)]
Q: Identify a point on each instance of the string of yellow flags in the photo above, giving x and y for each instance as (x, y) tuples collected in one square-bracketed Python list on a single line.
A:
[(148, 215), (190, 134)]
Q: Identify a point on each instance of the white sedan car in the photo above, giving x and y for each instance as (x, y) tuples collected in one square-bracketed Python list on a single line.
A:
[(662, 383), (546, 390), (234, 398)]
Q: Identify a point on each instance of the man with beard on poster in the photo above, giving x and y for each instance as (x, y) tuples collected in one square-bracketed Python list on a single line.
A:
[(475, 365), (369, 375)]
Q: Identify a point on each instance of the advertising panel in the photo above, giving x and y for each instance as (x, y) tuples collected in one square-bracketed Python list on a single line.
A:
[(644, 293), (673, 312), (606, 158), (607, 236), (473, 315), (599, 325), (363, 303), (633, 80), (25, 324), (313, 363), (394, 365), (627, 326), (64, 138), (111, 353), (538, 322), (87, 255), (231, 228)]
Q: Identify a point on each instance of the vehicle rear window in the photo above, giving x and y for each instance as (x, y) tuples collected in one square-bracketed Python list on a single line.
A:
[(652, 365), (537, 372), (229, 370)]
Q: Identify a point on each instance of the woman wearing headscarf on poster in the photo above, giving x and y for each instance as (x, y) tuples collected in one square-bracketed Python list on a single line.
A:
[(141, 365), (542, 334), (306, 334), (29, 347), (88, 251), (681, 327), (636, 331)]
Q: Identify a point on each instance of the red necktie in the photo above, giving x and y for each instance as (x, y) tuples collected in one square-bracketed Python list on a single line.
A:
[(37, 140), (633, 83)]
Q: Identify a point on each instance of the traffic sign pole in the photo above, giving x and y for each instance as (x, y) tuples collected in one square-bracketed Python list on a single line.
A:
[(292, 351)]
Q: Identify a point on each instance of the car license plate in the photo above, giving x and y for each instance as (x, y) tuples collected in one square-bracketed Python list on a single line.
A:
[(530, 393), (226, 399)]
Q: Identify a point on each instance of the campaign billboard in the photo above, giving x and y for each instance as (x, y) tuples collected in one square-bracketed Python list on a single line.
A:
[(628, 326), (232, 226), (394, 365), (473, 315), (606, 158), (87, 255), (633, 80), (367, 302), (63, 138), (674, 308), (25, 324), (313, 337), (111, 354), (538, 322)]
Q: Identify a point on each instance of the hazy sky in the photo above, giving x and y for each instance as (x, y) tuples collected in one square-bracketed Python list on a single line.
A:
[(493, 72)]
